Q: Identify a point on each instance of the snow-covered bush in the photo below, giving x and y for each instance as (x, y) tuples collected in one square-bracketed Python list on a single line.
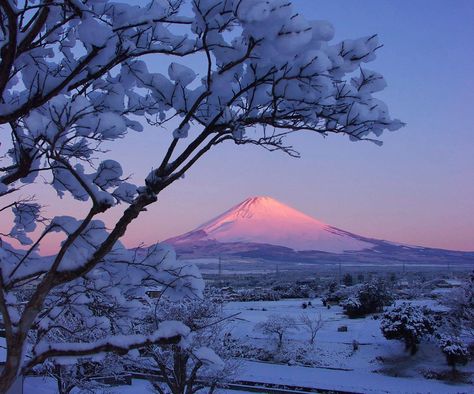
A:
[(367, 298), (455, 350), (277, 326), (245, 350), (409, 324), (74, 77), (460, 302), (296, 354), (335, 295), (85, 375), (353, 307)]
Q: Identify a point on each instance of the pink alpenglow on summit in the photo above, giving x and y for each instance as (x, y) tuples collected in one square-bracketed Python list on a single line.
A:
[(265, 220)]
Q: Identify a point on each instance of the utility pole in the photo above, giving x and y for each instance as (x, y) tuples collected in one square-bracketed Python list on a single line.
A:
[(220, 271)]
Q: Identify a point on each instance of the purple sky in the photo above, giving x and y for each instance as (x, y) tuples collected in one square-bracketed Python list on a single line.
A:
[(418, 188)]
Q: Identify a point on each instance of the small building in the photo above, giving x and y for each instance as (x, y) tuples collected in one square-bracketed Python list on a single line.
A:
[(154, 292), (449, 283)]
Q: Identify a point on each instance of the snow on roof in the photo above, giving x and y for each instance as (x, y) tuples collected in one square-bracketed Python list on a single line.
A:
[(453, 282)]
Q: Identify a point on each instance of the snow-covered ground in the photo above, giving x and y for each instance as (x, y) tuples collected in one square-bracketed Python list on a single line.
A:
[(39, 385), (359, 382), (378, 366)]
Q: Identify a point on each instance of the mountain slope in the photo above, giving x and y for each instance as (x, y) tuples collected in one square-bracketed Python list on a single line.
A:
[(264, 220), (261, 228)]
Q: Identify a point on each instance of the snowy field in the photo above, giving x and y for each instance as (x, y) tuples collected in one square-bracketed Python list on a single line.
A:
[(377, 366)]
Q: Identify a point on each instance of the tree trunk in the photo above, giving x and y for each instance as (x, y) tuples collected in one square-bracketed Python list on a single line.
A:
[(11, 369), (7, 378), (453, 370)]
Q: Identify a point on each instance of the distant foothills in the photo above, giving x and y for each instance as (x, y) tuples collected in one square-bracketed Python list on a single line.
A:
[(264, 228)]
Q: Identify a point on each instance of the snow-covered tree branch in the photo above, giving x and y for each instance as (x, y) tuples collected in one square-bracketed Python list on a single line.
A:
[(74, 76)]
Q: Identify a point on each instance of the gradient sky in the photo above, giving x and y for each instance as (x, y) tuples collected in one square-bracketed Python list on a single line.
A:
[(418, 188)]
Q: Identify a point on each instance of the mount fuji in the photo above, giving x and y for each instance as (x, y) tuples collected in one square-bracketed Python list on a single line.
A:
[(264, 228)]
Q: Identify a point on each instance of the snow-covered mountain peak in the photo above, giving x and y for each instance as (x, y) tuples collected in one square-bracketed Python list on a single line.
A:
[(260, 210), (264, 220)]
